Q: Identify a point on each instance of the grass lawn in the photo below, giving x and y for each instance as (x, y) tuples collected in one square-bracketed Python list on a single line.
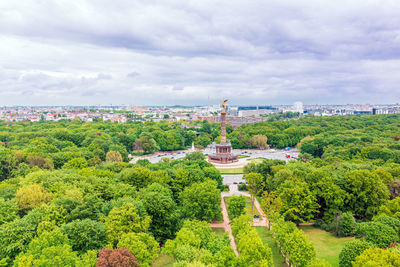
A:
[(231, 171), (163, 260), (218, 230), (326, 244), (248, 206), (256, 160), (266, 237), (243, 156)]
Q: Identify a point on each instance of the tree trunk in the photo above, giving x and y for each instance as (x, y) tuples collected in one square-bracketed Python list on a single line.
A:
[(252, 204)]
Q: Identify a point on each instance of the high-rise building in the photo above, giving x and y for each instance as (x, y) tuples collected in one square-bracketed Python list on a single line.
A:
[(298, 107)]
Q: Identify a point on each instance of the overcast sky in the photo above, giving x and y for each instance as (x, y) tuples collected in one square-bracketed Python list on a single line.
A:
[(81, 52)]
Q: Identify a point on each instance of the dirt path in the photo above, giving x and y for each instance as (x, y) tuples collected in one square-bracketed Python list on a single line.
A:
[(226, 225), (234, 192)]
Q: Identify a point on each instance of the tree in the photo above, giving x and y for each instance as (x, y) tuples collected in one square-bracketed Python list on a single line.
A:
[(389, 221), (366, 192), (252, 252), (271, 205), (377, 233), (7, 163), (43, 163), (113, 156), (351, 250), (85, 235), (138, 177), (76, 163), (201, 201), (236, 206), (225, 257), (391, 208), (301, 250), (299, 204), (143, 246), (259, 141), (378, 258), (48, 249), (162, 209), (147, 144), (122, 220), (31, 196), (255, 183), (119, 257), (8, 210)]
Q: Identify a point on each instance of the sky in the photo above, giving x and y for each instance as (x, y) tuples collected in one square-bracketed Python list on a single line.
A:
[(167, 52)]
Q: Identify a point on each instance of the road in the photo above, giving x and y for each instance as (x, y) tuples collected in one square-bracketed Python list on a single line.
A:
[(252, 153)]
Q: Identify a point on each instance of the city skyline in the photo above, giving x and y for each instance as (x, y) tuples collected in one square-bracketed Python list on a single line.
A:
[(181, 53)]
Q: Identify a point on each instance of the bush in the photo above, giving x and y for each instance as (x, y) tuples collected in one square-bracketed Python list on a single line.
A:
[(351, 250), (379, 234), (377, 257), (389, 221), (343, 225), (242, 187), (236, 205)]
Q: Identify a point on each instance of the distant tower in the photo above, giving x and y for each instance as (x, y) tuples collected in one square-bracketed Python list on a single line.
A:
[(298, 107), (223, 151)]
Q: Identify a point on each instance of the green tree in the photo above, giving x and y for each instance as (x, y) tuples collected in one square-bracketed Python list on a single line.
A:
[(378, 258), (271, 205), (236, 206), (301, 250), (31, 196), (143, 246), (351, 250), (299, 204), (162, 209), (201, 201), (7, 163), (85, 234), (122, 220), (8, 210), (255, 183), (377, 233), (113, 156)]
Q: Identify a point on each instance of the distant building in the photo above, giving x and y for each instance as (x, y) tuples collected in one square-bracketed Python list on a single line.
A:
[(298, 107), (248, 111)]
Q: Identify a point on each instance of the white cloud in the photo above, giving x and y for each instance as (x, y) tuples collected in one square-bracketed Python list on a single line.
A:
[(174, 52)]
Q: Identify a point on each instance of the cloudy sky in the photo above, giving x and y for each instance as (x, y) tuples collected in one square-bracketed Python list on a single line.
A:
[(90, 52)]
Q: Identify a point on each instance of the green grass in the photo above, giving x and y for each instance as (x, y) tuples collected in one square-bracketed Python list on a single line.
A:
[(163, 260), (231, 171), (243, 156), (326, 244), (256, 160), (218, 230), (248, 206), (266, 237)]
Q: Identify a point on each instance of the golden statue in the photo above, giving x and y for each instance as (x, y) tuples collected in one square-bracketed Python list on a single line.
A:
[(223, 103)]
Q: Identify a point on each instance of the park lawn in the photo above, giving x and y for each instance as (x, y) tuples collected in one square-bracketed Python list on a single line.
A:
[(243, 156), (163, 260), (326, 244), (218, 230), (256, 160), (247, 208), (266, 238), (231, 171)]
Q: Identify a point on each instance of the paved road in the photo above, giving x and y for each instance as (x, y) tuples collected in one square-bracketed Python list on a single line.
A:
[(232, 178), (252, 153)]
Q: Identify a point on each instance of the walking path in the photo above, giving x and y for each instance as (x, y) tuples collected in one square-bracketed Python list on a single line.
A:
[(233, 191)]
